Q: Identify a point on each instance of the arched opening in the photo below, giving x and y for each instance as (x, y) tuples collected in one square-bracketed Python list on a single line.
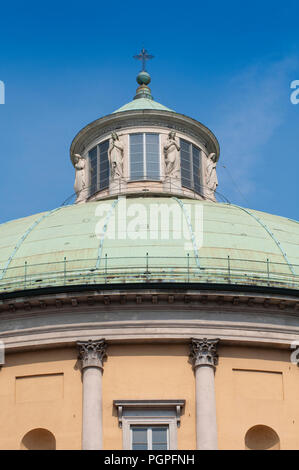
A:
[(261, 437), (38, 439)]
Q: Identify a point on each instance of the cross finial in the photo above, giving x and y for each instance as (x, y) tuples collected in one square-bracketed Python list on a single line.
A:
[(144, 56)]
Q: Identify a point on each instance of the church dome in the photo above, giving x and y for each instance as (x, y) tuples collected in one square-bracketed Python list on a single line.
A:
[(85, 243), (148, 305)]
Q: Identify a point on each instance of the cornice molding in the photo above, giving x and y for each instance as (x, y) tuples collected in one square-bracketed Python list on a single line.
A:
[(137, 118), (165, 330), (148, 315), (229, 300)]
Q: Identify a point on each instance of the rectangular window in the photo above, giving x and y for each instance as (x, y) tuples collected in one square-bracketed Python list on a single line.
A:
[(149, 437), (190, 166), (149, 424), (144, 156), (186, 164), (136, 157), (93, 158), (104, 165), (152, 156), (99, 167), (196, 169)]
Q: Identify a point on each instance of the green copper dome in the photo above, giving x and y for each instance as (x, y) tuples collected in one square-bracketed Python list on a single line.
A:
[(61, 247), (142, 103)]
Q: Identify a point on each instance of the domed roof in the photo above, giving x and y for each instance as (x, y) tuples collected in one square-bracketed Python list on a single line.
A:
[(61, 246), (142, 103)]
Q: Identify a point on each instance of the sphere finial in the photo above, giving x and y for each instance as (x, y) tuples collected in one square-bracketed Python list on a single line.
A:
[(143, 78)]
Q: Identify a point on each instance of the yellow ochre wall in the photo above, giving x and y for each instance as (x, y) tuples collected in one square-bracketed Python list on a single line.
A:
[(148, 372), (256, 386), (43, 389)]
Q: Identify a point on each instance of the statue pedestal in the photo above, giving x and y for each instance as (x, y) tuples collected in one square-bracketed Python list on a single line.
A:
[(117, 186), (82, 196), (172, 185), (209, 194)]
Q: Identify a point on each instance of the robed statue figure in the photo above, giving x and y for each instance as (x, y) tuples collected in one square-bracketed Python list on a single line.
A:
[(116, 156), (171, 156), (80, 181)]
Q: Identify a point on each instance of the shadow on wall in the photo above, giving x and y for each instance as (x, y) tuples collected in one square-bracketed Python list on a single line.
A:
[(38, 439), (261, 437)]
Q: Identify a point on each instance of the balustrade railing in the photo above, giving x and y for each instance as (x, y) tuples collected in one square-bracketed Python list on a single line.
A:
[(149, 269)]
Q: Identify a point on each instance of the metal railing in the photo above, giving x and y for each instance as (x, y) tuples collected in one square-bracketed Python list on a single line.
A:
[(149, 269)]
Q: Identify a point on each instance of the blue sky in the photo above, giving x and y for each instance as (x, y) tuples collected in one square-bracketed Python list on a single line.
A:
[(228, 64)]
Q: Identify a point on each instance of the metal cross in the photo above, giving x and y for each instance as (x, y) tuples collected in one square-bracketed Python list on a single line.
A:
[(144, 56)]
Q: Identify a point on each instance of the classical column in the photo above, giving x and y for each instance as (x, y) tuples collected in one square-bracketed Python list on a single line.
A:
[(91, 354), (205, 358)]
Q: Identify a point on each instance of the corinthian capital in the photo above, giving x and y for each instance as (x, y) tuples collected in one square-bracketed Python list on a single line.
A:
[(92, 353), (204, 352)]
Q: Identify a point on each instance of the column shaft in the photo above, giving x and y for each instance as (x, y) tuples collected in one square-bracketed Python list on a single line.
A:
[(206, 425), (92, 354), (92, 438), (205, 358)]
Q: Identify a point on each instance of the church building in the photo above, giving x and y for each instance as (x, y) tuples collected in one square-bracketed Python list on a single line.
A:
[(148, 314)]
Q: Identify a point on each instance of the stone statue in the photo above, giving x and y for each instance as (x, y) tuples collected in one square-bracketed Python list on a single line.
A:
[(80, 181), (171, 156), (116, 156), (211, 182)]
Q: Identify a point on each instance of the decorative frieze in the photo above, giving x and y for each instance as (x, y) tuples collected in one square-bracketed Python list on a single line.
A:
[(257, 301), (90, 300)]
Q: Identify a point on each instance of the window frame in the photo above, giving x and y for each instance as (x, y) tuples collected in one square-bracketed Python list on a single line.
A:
[(90, 173), (98, 169), (149, 435), (169, 422), (144, 177), (159, 156), (129, 157), (149, 413), (191, 161)]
